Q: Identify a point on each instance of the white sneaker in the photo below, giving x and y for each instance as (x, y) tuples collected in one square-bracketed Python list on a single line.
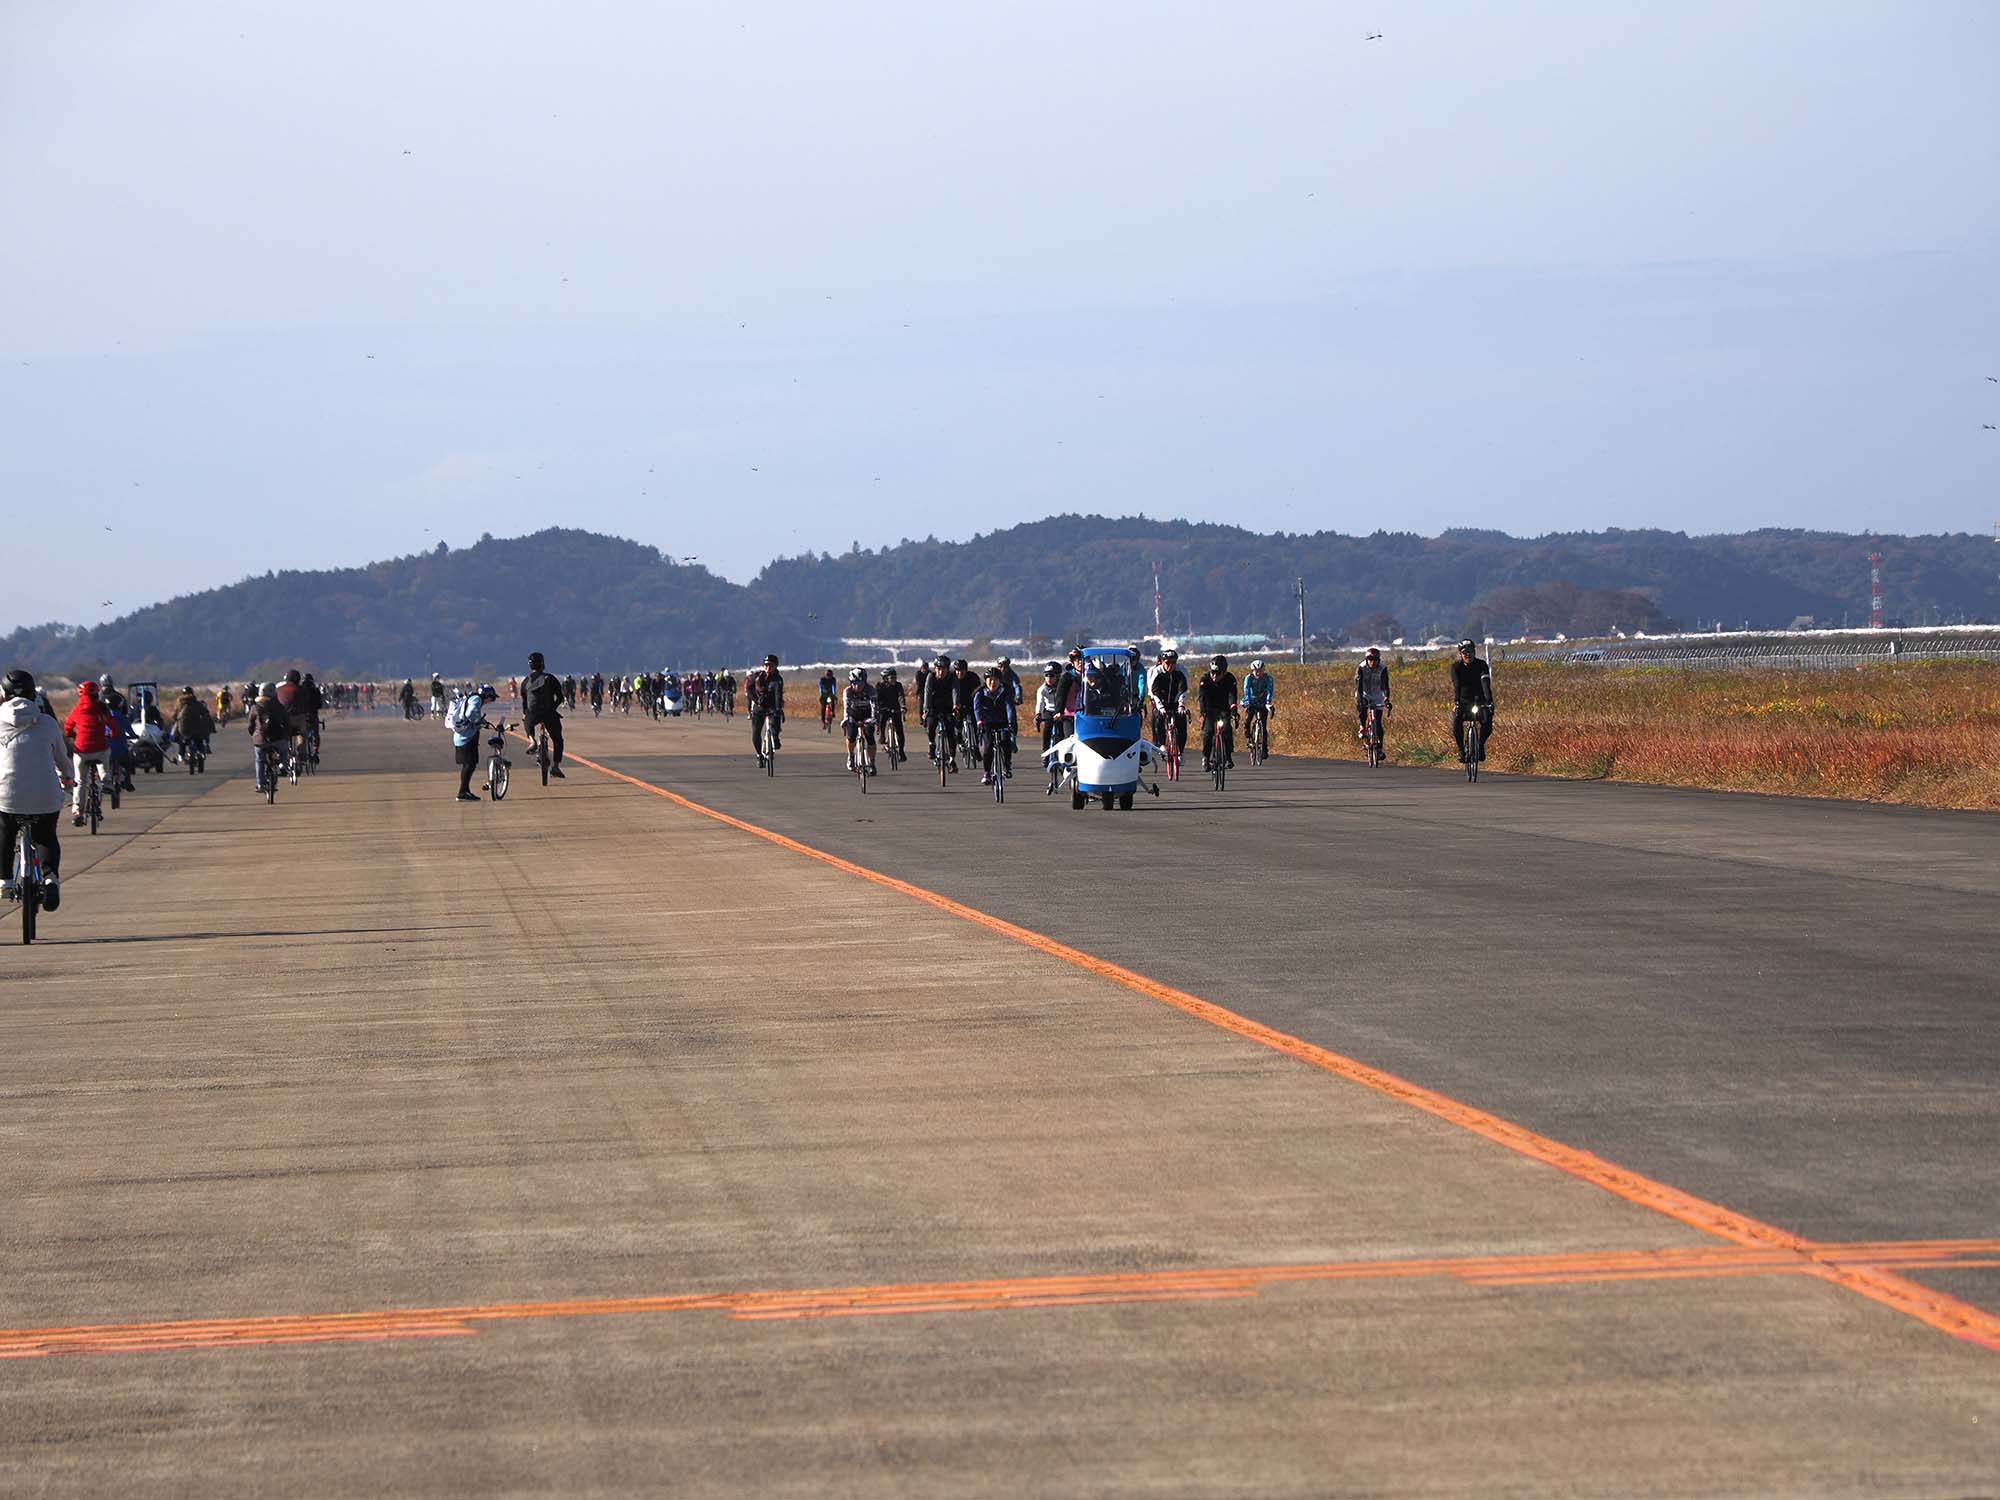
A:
[(9, 891)]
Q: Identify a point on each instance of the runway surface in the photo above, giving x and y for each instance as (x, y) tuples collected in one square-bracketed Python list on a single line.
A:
[(1342, 1132)]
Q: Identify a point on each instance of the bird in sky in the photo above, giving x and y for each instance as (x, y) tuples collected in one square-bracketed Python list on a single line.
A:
[(103, 603), (1989, 427), (1373, 36), (406, 153), (107, 528), (368, 356)]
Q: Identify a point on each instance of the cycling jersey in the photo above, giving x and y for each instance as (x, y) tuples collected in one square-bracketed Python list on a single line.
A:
[(1371, 685), (889, 699), (857, 705), (827, 684), (1257, 690), (1471, 682), (1217, 694), (1169, 686)]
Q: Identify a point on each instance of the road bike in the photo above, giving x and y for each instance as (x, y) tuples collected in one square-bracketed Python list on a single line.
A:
[(1173, 736), (861, 754), (29, 887), (826, 715), (892, 740), (1217, 754), (1003, 763), (195, 754), (770, 746), (497, 765), (1259, 735), (1371, 735), (1472, 740), (270, 766)]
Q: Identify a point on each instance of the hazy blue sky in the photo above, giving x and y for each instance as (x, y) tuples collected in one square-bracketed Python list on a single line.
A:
[(741, 279)]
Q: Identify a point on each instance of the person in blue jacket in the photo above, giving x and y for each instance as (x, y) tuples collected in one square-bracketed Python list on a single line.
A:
[(993, 718)]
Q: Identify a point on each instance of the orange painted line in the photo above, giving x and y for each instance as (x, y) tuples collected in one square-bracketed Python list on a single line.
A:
[(1938, 1309), (1076, 1290)]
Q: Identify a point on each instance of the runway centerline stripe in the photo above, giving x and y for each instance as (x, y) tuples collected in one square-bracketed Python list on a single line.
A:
[(1938, 1309), (1195, 1284)]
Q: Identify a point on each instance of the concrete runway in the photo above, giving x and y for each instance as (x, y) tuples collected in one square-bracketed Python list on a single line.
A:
[(588, 1144)]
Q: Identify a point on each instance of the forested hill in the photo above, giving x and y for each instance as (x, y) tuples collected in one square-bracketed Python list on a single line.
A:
[(587, 601), (596, 601), (1088, 572)]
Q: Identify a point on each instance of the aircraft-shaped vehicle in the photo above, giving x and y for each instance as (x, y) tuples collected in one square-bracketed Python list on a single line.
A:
[(150, 741), (1107, 756)]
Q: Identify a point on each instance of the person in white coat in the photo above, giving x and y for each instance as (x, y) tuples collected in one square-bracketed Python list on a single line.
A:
[(33, 777)]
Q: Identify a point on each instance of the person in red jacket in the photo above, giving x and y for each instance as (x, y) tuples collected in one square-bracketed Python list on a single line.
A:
[(88, 730)]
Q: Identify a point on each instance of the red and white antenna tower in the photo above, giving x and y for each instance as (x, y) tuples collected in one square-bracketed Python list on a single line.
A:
[(1159, 631), (1875, 590)]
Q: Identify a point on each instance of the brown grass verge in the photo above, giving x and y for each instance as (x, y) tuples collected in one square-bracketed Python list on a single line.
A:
[(1923, 732)]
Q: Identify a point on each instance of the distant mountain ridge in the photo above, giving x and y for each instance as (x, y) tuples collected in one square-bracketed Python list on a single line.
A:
[(592, 601)]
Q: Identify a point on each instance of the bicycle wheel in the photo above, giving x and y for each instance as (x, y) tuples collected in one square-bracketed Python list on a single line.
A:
[(542, 756), (117, 790), (1471, 749), (96, 804), (770, 747), (496, 778), (31, 900), (271, 779)]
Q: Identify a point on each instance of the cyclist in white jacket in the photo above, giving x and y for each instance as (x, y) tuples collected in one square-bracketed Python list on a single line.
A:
[(33, 769)]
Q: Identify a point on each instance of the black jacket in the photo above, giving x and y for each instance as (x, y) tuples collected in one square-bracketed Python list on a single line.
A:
[(1471, 682), (541, 697)]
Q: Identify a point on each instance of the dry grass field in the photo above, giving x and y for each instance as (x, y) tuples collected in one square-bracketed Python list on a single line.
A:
[(1925, 732)]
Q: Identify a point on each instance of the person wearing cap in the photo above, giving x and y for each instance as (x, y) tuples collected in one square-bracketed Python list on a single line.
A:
[(1471, 683), (1371, 689), (464, 718), (541, 707), (33, 774), (1260, 697), (764, 690)]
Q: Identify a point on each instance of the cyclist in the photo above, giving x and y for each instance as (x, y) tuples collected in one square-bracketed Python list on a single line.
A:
[(569, 690), (1049, 706), (889, 712), (1259, 699), (597, 693), (437, 696), (1471, 682), (1216, 694), (33, 775), (192, 723), (541, 707), (1008, 675), (857, 712), (829, 687), (315, 704), (406, 695), (466, 715), (991, 719), (1371, 688), (765, 691), (223, 703), (117, 733), (270, 728), (964, 687), (934, 704), (1168, 691)]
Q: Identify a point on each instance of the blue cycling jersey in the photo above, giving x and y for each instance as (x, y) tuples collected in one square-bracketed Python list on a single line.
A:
[(1257, 694)]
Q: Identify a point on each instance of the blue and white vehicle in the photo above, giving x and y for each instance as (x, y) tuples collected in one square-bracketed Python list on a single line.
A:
[(1107, 756)]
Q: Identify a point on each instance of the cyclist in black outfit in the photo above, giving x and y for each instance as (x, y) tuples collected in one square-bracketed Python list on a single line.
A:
[(1471, 682), (1217, 701), (889, 712), (541, 705), (764, 690)]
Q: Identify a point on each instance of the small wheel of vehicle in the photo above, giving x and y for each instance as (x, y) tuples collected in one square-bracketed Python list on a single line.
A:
[(1077, 801), (1124, 801), (1109, 801)]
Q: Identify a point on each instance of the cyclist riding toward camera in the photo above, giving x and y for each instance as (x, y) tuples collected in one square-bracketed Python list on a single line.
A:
[(1471, 685), (934, 706), (764, 692), (992, 717), (1217, 699), (1168, 691), (829, 690), (857, 718), (33, 774), (1259, 699), (889, 712), (1371, 689)]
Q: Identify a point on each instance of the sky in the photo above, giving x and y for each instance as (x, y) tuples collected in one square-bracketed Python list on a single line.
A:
[(299, 286)]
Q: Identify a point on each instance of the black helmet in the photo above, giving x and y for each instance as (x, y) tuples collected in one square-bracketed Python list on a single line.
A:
[(1053, 669), (18, 683), (771, 659), (888, 674), (959, 665), (1219, 662), (1468, 644), (534, 661), (943, 661), (1372, 651), (292, 677)]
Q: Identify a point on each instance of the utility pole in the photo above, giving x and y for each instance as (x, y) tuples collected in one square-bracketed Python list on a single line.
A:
[(1299, 588), (1875, 590)]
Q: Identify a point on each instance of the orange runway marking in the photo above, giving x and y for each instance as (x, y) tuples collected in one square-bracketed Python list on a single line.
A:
[(1939, 1309), (1024, 1292)]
